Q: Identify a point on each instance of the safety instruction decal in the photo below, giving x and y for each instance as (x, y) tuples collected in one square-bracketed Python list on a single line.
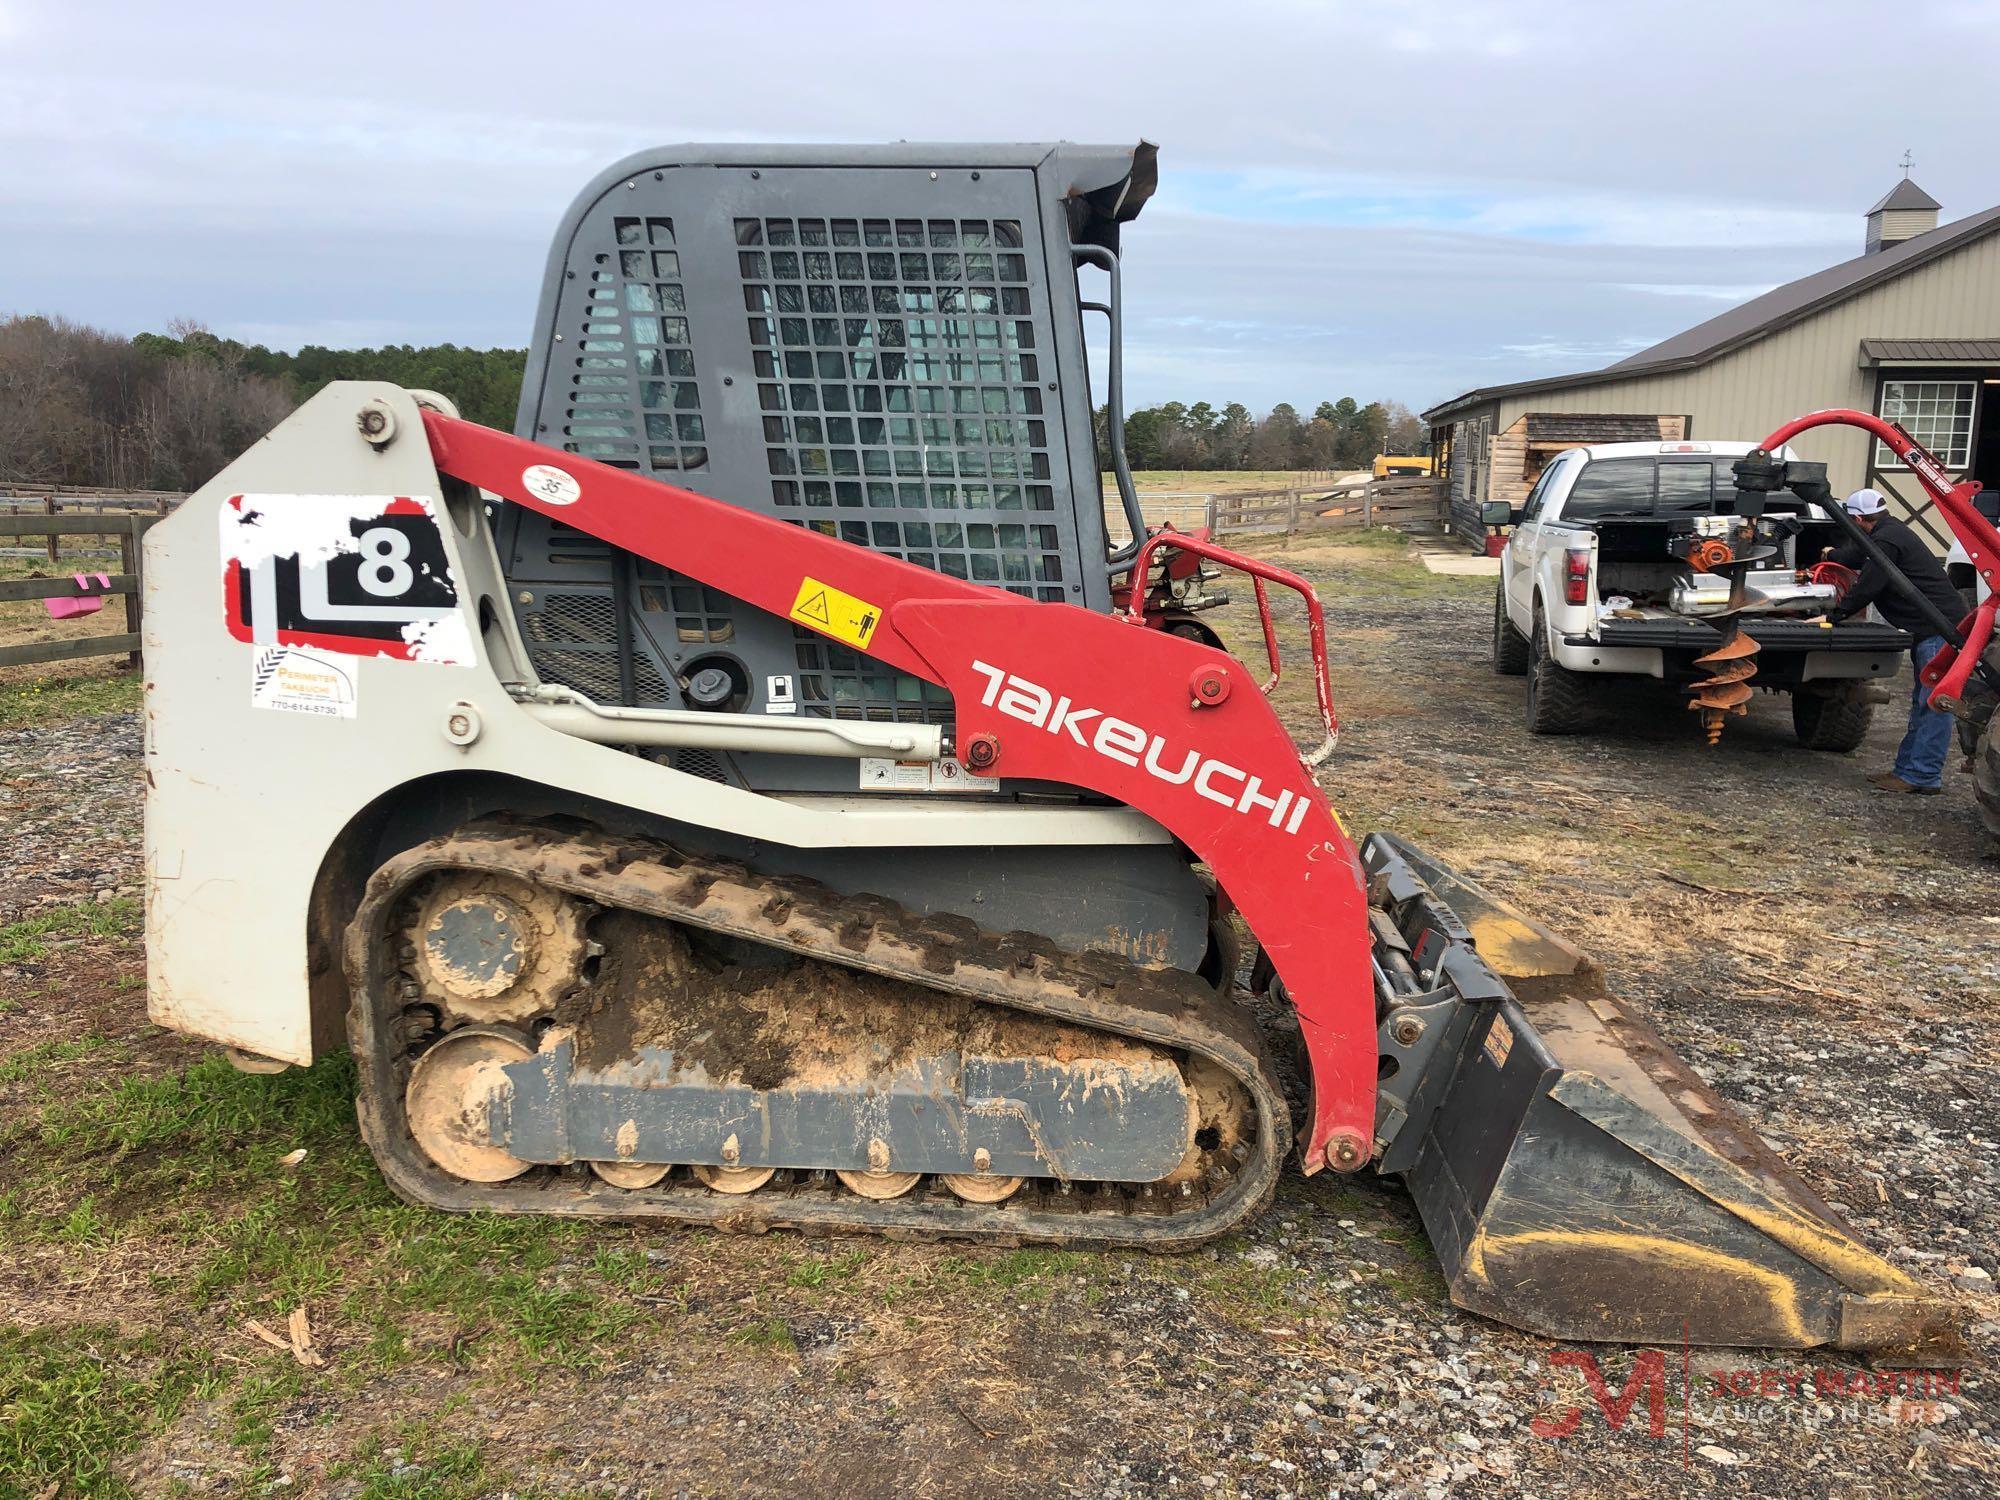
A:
[(880, 774), (1499, 1041), (826, 609), (291, 680)]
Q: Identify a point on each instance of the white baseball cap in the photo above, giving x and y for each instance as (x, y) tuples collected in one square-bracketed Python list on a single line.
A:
[(1866, 503)]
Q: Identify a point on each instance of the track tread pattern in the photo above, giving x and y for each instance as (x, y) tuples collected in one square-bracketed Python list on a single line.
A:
[(1166, 1007)]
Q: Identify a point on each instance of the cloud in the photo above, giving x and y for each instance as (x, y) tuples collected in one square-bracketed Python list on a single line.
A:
[(1730, 294), (1371, 199), (1591, 217), (1571, 353)]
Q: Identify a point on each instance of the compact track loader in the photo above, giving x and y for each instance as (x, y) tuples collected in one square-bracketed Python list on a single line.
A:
[(732, 799)]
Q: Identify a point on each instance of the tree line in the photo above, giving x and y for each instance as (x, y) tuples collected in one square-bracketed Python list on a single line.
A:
[(166, 411), (1341, 434)]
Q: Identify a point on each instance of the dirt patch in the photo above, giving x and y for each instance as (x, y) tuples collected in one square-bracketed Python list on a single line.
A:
[(799, 1024)]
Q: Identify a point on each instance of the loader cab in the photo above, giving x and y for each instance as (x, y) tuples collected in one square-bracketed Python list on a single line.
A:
[(885, 344)]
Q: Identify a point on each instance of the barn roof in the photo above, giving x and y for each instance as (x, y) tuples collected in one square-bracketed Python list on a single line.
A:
[(1749, 321)]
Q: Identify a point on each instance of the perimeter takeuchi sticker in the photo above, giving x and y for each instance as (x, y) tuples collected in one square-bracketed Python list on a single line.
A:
[(292, 680), (830, 612)]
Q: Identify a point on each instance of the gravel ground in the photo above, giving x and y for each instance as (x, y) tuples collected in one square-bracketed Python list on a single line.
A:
[(70, 795), (1824, 955)]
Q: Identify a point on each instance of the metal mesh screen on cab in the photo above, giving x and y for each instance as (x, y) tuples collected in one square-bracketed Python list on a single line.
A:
[(900, 389)]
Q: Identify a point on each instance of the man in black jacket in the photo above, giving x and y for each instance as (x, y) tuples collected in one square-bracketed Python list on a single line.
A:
[(1920, 759)]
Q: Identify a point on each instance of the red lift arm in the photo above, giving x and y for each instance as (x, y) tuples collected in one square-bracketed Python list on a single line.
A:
[(1952, 668), (1047, 692)]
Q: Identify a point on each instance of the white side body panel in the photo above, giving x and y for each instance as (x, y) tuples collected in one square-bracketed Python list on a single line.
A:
[(243, 801)]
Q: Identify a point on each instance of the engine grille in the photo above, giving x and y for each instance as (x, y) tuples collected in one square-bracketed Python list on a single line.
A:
[(573, 638)]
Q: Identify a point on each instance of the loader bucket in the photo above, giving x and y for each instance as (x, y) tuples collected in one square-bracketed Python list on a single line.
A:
[(1578, 1180)]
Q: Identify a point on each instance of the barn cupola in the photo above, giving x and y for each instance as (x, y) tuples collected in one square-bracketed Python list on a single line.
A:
[(1904, 212)]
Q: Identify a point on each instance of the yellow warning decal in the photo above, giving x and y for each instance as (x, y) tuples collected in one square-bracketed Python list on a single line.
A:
[(830, 612)]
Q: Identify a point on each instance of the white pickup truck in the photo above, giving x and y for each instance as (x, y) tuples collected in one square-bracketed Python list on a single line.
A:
[(1596, 580)]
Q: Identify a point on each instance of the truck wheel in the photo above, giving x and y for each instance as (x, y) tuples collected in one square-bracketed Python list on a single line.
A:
[(1986, 778), (1558, 700), (1510, 651), (1193, 630), (1836, 721)]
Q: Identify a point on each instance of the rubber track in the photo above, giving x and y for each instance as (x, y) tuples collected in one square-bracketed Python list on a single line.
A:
[(1165, 1007)]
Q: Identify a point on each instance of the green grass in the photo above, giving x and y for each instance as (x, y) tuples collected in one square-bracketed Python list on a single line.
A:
[(22, 941), (766, 1333), (29, 1062), (260, 1398), (558, 1325), (314, 1233), (1018, 1269), (211, 1111), (818, 1271), (1252, 1293), (57, 700), (1368, 538), (423, 1464), (72, 1399), (191, 1162)]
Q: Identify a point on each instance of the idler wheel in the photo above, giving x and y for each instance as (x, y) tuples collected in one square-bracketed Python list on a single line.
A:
[(449, 1097)]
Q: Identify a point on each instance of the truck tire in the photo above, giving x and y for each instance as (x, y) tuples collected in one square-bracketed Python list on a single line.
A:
[(1986, 778), (1558, 699), (1836, 721), (1510, 650)]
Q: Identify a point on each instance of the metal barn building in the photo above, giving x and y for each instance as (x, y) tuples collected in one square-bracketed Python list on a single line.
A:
[(1909, 329)]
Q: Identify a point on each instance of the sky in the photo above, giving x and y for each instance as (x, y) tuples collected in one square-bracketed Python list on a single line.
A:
[(1390, 201)]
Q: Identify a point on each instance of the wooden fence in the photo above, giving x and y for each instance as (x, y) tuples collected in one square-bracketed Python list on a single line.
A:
[(124, 532), (85, 497), (94, 503), (1418, 504)]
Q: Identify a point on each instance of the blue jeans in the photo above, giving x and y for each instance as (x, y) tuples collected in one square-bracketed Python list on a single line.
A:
[(1920, 758)]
